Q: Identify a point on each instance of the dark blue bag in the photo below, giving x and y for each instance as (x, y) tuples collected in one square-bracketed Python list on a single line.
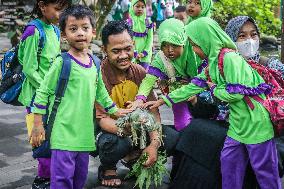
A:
[(43, 151), (12, 70)]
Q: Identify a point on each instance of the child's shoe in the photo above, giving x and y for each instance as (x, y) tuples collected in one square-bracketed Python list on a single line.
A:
[(41, 183)]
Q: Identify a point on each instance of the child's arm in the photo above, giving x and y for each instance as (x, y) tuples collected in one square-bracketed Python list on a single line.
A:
[(146, 86), (154, 72), (103, 98), (197, 85), (236, 71), (46, 89), (30, 48)]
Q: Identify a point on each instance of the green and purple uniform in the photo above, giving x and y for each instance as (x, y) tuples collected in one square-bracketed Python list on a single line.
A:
[(73, 128), (246, 125), (28, 56), (142, 28), (250, 134), (174, 72)]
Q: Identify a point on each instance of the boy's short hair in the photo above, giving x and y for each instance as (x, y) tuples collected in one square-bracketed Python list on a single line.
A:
[(79, 12), (113, 28), (180, 9)]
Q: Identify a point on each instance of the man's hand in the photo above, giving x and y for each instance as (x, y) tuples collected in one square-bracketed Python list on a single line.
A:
[(153, 104), (136, 104), (122, 112), (152, 152)]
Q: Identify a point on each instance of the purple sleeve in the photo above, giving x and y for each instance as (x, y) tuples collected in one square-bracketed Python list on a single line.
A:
[(29, 31)]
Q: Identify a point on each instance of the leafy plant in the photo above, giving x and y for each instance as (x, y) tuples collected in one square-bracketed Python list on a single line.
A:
[(147, 176), (136, 125), (260, 10)]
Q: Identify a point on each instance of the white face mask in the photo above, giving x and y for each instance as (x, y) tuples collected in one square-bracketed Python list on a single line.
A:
[(248, 48)]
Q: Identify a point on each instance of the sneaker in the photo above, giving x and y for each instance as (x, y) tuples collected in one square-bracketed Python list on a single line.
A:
[(41, 183)]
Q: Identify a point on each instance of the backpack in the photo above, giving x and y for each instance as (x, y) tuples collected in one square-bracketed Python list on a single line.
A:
[(274, 103), (12, 70), (43, 151)]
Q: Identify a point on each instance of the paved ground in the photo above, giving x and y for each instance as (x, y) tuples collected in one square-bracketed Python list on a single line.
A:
[(18, 168)]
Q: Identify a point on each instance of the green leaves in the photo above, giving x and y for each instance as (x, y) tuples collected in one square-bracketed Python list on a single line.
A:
[(263, 11), (147, 176), (141, 122)]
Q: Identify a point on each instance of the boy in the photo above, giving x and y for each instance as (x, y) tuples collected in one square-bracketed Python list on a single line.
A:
[(180, 13), (72, 135)]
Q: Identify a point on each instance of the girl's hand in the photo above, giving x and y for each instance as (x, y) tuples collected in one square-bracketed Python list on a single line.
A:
[(153, 104), (210, 84), (141, 55), (122, 112), (136, 104), (37, 135)]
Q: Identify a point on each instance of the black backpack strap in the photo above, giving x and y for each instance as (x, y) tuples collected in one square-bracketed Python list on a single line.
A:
[(60, 90), (97, 62)]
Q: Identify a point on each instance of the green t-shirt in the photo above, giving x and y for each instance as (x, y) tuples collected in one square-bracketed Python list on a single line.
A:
[(27, 54), (73, 129)]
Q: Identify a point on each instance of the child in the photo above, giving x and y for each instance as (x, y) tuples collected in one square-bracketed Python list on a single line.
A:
[(180, 13), (36, 63), (142, 31), (250, 134), (244, 31), (171, 68), (198, 8), (72, 137)]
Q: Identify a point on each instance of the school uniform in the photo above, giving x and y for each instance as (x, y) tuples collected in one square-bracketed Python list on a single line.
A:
[(142, 28), (250, 134), (35, 66), (72, 137)]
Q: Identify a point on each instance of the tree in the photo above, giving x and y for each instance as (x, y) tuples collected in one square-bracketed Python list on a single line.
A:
[(260, 10), (101, 9)]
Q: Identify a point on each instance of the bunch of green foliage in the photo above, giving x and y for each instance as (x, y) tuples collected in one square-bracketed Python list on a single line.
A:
[(146, 176), (136, 125), (263, 11)]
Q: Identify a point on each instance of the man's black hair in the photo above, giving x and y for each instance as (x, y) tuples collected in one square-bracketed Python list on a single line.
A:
[(113, 28), (180, 9), (36, 11), (79, 12)]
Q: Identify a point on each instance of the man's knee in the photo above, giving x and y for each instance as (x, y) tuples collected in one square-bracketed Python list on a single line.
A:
[(107, 142), (112, 148)]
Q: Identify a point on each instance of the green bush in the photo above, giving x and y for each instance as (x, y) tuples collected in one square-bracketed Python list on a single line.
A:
[(261, 10)]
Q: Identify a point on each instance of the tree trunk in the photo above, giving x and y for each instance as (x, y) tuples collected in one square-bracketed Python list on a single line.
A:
[(101, 10)]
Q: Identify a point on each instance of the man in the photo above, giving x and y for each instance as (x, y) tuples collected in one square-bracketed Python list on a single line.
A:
[(122, 79), (180, 13)]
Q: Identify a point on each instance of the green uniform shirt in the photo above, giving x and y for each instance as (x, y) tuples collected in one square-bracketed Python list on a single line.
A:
[(73, 129), (246, 125), (27, 54), (170, 31)]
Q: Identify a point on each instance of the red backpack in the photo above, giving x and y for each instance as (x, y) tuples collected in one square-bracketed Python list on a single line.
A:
[(274, 103)]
